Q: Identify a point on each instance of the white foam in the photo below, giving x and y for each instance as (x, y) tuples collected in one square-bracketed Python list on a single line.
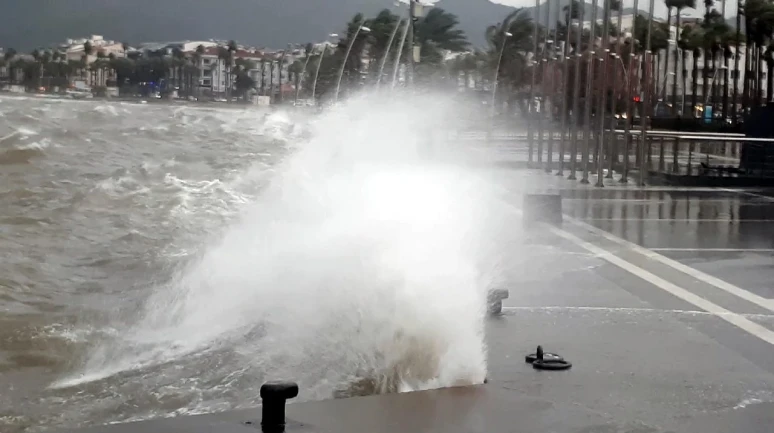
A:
[(363, 256)]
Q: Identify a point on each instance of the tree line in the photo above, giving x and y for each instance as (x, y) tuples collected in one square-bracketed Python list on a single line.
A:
[(437, 34)]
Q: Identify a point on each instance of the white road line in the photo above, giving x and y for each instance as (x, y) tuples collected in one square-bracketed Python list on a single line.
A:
[(685, 220), (737, 320), (718, 250), (695, 273), (743, 192), (630, 310)]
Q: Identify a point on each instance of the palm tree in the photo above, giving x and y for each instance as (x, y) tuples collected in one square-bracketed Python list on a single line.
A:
[(688, 41), (517, 47), (437, 31), (232, 49), (382, 27), (88, 49), (716, 34), (678, 6), (197, 60), (695, 41), (224, 58), (354, 61), (759, 26)]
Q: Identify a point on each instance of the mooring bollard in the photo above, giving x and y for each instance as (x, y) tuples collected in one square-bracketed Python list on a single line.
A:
[(274, 396)]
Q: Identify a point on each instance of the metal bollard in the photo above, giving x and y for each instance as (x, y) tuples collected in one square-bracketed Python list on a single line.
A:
[(274, 396)]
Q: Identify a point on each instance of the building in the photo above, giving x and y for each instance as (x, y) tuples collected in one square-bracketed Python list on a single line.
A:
[(101, 48), (214, 72)]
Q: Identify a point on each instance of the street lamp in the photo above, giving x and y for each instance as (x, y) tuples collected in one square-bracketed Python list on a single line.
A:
[(319, 63), (506, 35), (387, 52), (389, 47), (360, 28)]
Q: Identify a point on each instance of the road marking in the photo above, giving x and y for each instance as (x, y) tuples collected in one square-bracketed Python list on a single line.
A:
[(718, 250), (676, 200), (695, 273), (630, 310), (743, 192), (683, 220), (737, 320)]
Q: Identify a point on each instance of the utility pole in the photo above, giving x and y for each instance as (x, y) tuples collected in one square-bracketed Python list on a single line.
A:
[(412, 19)]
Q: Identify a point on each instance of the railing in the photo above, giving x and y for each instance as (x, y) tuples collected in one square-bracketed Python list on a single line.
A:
[(665, 156)]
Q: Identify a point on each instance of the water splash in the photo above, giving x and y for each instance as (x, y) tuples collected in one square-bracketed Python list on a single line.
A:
[(366, 259)]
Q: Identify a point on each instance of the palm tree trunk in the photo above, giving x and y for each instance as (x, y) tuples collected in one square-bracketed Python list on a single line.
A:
[(769, 80), (736, 61), (747, 76), (666, 59), (682, 75), (758, 87), (694, 79), (705, 75), (674, 70), (725, 82)]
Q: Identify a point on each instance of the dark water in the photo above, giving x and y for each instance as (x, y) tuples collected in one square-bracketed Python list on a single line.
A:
[(99, 202)]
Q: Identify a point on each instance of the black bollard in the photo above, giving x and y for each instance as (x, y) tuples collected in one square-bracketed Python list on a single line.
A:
[(274, 396)]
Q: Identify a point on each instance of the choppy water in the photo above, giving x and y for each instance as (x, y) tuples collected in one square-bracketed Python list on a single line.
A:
[(158, 260)]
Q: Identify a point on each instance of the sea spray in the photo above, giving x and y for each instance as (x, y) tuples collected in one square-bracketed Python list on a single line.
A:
[(363, 264)]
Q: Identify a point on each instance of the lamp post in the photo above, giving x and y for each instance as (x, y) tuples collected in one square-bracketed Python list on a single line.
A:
[(387, 52), (399, 54), (360, 28), (506, 35), (383, 61), (646, 100), (319, 63)]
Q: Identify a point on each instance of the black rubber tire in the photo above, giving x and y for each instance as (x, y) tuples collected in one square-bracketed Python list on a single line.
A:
[(552, 365), (532, 357)]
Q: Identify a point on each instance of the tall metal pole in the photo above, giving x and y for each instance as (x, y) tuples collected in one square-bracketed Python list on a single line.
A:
[(400, 54), (575, 122), (552, 119), (613, 155), (554, 90), (565, 86), (317, 71), (535, 63), (497, 72), (589, 90), (647, 94), (629, 97), (735, 110), (411, 23), (543, 98), (344, 62), (298, 85), (387, 52), (604, 63)]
